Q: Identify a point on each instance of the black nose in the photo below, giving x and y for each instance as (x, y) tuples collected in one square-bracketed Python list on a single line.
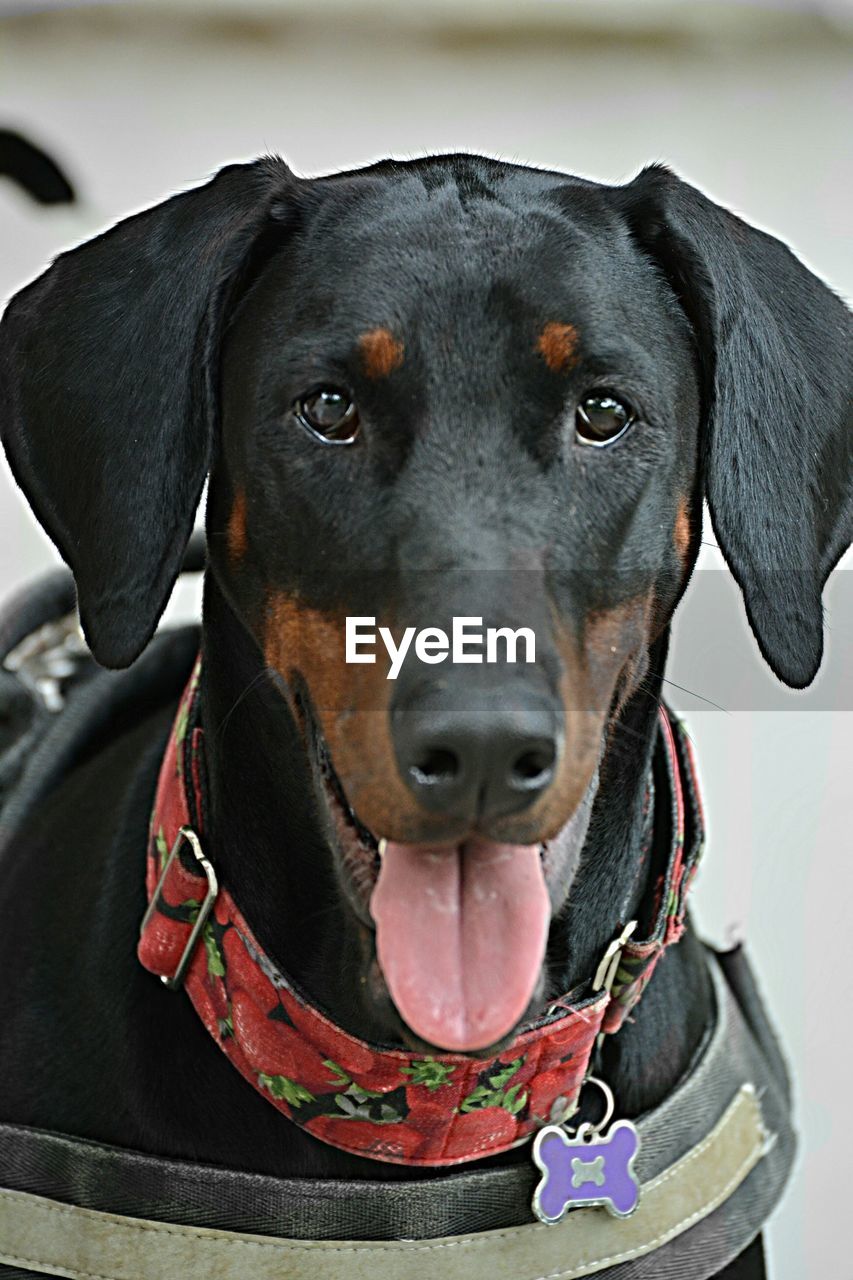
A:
[(477, 759)]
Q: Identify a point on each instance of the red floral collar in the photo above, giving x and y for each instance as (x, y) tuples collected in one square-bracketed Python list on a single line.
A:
[(389, 1104)]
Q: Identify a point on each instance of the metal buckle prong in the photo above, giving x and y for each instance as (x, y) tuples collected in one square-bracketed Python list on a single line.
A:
[(185, 833), (605, 974)]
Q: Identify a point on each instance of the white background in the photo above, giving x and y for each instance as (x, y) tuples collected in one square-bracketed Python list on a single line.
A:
[(749, 102)]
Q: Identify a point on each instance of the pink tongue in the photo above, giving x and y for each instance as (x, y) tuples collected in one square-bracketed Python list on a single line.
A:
[(460, 936)]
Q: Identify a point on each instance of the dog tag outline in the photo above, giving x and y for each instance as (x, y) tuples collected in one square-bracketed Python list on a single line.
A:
[(585, 1170)]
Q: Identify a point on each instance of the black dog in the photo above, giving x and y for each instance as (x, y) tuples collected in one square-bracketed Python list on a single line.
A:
[(442, 387)]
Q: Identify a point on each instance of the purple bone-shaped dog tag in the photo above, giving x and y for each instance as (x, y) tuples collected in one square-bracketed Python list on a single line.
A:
[(586, 1169)]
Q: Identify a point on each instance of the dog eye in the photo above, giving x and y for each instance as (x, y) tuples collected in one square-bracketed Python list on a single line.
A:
[(601, 418), (329, 415)]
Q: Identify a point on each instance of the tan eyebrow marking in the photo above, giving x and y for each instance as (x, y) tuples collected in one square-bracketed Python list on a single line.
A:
[(236, 537), (557, 343), (381, 352)]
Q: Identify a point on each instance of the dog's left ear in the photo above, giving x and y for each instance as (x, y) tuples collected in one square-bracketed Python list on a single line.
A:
[(108, 390), (774, 353)]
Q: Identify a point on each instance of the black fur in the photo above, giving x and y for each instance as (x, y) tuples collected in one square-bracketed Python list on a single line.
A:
[(173, 345), (129, 379), (777, 455), (33, 170)]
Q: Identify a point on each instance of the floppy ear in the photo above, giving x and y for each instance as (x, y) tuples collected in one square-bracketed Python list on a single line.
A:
[(775, 360), (108, 383)]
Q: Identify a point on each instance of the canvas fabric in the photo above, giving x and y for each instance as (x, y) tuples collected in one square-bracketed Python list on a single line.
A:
[(713, 1162)]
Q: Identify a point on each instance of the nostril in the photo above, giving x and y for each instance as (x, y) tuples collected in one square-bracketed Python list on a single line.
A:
[(436, 766), (533, 768)]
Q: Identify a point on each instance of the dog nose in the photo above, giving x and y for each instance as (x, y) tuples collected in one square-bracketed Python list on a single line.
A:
[(485, 759)]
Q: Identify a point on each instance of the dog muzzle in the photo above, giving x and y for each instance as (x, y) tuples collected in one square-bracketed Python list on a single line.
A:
[(383, 1103)]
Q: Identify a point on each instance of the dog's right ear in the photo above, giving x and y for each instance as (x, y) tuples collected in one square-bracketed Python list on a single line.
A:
[(108, 382)]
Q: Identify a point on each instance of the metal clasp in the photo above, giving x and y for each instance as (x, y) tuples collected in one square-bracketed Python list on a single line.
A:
[(47, 657), (185, 833), (605, 974)]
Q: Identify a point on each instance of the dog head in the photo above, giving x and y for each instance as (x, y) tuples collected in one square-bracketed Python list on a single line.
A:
[(425, 391)]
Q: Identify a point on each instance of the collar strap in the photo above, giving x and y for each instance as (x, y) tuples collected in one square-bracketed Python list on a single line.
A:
[(384, 1103)]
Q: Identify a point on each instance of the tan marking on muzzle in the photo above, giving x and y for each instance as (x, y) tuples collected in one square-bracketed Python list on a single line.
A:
[(606, 659), (595, 664), (351, 703)]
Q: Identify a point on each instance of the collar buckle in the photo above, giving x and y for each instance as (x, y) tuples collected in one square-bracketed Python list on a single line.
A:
[(185, 833), (605, 974)]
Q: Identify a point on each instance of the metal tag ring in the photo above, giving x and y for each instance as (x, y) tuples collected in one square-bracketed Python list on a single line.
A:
[(588, 1128)]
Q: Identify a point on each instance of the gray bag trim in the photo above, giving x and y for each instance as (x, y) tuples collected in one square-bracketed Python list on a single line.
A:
[(696, 1119), (83, 1243)]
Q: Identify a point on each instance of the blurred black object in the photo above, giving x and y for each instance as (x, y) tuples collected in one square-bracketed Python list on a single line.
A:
[(33, 170)]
